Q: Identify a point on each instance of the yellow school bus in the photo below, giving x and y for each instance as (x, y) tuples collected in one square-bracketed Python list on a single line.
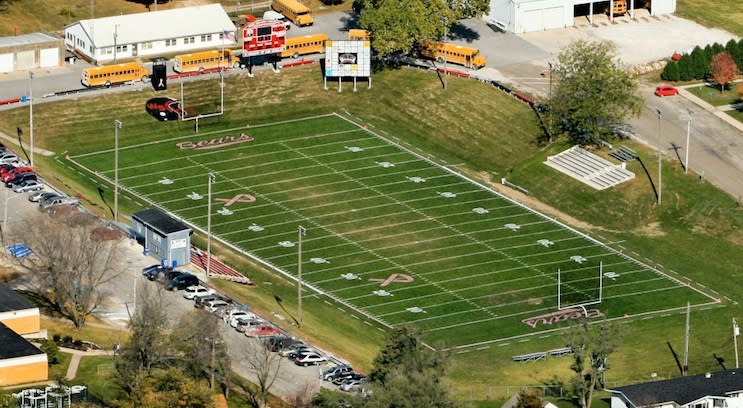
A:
[(306, 44), (357, 34), (456, 54), (114, 74), (295, 11), (199, 61)]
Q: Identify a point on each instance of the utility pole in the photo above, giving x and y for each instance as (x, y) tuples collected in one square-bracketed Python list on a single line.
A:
[(686, 340), (736, 333), (212, 178), (660, 165), (688, 146), (31, 113)]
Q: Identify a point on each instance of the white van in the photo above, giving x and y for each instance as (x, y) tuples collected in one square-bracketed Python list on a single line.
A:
[(275, 15)]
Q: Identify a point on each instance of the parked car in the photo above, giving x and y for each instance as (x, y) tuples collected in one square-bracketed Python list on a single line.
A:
[(20, 178), (298, 351), (41, 195), (8, 158), (278, 343), (352, 385), (167, 275), (310, 358), (182, 281), (335, 372), (666, 90), (353, 375), (59, 200), (233, 314), (262, 330), (152, 271), (244, 324), (198, 290), (215, 305), (28, 185), (16, 171), (200, 301)]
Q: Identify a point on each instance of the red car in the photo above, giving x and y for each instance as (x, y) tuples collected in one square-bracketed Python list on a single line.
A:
[(666, 90), (16, 171)]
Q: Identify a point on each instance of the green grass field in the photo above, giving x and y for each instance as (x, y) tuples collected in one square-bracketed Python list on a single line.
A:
[(398, 238)]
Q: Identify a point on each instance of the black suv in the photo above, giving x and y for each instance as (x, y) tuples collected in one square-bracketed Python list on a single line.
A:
[(20, 178), (167, 275), (182, 282)]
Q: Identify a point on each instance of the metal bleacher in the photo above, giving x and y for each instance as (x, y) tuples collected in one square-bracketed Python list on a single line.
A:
[(590, 169), (525, 358)]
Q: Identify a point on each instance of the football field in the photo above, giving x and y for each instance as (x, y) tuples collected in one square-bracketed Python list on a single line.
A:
[(389, 233)]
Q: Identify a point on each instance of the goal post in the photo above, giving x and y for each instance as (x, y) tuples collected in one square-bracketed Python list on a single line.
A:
[(579, 288)]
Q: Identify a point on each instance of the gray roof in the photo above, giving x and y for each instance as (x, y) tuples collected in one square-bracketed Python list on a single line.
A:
[(14, 345), (683, 390), (26, 39), (11, 301), (160, 221), (158, 25)]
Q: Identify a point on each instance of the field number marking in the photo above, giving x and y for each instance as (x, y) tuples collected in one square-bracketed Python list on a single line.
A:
[(545, 243)]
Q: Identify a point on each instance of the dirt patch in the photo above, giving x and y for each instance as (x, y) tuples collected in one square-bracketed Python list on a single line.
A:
[(535, 301), (651, 230)]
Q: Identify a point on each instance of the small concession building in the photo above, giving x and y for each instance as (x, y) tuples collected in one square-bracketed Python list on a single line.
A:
[(150, 34), (523, 16), (30, 51), (20, 361), (163, 236)]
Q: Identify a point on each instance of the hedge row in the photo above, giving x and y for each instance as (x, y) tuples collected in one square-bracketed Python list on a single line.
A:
[(696, 65)]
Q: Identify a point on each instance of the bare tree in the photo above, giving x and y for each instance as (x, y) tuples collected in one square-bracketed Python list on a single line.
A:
[(201, 346), (265, 365), (591, 350), (73, 259), (302, 397)]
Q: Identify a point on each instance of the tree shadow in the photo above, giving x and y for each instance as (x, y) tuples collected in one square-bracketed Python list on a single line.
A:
[(280, 302), (458, 31), (350, 20)]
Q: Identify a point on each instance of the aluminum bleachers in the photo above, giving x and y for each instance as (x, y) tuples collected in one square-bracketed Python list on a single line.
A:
[(590, 169)]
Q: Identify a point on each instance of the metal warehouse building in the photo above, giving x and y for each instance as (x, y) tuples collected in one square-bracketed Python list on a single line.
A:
[(30, 51), (523, 16), (148, 34)]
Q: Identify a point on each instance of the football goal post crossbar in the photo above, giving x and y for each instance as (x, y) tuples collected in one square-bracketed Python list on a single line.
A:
[(582, 305)]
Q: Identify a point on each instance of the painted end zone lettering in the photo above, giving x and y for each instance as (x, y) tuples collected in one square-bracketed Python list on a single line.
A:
[(215, 143), (561, 316)]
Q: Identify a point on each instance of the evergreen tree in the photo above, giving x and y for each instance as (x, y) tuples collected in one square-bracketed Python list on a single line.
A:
[(699, 63), (670, 72), (686, 69)]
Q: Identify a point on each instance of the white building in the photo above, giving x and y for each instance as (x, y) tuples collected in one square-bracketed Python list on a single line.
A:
[(30, 51), (523, 16), (149, 34), (722, 389)]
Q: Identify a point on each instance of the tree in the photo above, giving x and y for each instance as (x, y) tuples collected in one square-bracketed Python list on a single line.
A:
[(670, 72), (72, 263), (699, 63), (400, 27), (591, 351), (592, 92), (148, 347), (530, 399), (686, 68), (723, 70), (265, 365), (200, 346), (167, 388)]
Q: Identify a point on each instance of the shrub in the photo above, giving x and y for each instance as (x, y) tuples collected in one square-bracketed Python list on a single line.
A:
[(56, 338), (52, 351), (77, 343), (67, 340), (670, 72)]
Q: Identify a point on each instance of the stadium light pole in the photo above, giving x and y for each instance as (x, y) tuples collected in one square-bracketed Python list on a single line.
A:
[(301, 231), (31, 113), (660, 166), (688, 133), (212, 178), (117, 126), (116, 37), (445, 21)]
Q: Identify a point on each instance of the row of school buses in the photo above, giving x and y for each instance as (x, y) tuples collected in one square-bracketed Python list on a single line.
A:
[(295, 47)]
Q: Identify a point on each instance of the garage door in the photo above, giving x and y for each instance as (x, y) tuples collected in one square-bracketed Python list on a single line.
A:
[(24, 60), (553, 18), (49, 57), (6, 62), (543, 19)]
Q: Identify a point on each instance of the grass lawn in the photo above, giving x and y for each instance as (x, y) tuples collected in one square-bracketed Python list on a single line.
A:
[(97, 373), (724, 14), (105, 337), (712, 95), (736, 114), (59, 370), (312, 174)]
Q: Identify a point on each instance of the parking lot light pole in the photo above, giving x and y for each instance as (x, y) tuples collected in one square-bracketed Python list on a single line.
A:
[(117, 126), (301, 231), (688, 146), (660, 166), (212, 178), (31, 113)]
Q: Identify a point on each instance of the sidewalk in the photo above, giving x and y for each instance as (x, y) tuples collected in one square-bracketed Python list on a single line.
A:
[(77, 355)]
